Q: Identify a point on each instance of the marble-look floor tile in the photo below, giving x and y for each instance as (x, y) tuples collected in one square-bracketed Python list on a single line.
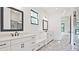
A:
[(56, 47)]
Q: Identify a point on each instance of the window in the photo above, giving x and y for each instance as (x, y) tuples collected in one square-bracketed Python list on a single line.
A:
[(62, 27), (77, 28), (77, 25), (34, 17), (77, 31)]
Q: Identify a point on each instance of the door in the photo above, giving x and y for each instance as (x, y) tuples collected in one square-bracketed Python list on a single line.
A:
[(76, 31), (70, 29), (66, 30)]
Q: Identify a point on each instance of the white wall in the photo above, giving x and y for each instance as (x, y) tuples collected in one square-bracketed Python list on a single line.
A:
[(31, 28)]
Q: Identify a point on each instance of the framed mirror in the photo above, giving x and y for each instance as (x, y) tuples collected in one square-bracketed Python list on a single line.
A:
[(45, 25), (11, 19)]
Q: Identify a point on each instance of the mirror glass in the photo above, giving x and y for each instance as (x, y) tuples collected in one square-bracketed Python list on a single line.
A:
[(34, 17), (45, 25), (12, 19)]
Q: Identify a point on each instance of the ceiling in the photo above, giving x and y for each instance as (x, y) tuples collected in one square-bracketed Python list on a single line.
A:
[(58, 10)]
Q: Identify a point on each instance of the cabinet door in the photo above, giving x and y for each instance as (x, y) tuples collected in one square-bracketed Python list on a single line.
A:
[(18, 47), (5, 49), (29, 43), (22, 47), (24, 44), (27, 46), (4, 44)]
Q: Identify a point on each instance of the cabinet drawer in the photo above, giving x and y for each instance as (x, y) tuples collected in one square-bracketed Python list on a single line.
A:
[(21, 47), (5, 49), (26, 39), (17, 47), (29, 43), (29, 39), (4, 44), (16, 41)]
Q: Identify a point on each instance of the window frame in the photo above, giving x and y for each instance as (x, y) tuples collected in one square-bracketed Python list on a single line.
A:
[(63, 28), (77, 31), (77, 28), (34, 17)]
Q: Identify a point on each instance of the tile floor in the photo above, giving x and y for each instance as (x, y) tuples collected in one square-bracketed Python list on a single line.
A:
[(56, 47)]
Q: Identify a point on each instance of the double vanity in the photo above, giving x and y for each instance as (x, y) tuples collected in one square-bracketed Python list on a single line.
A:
[(24, 42)]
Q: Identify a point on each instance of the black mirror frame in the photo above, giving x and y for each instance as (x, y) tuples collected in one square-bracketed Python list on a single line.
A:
[(43, 24), (2, 18)]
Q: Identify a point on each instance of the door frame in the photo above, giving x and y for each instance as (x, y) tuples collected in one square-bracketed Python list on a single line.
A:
[(70, 30)]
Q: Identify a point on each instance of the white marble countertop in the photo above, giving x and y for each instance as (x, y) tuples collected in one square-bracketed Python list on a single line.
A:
[(4, 38)]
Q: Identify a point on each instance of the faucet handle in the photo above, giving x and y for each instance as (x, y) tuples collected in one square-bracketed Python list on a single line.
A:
[(12, 34)]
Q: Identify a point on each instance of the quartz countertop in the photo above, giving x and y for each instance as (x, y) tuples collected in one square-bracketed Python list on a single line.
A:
[(8, 37)]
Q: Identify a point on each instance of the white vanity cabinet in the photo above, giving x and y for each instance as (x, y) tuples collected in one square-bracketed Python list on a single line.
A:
[(23, 44)]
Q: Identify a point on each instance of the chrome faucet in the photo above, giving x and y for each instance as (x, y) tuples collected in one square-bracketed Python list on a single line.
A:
[(16, 33)]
